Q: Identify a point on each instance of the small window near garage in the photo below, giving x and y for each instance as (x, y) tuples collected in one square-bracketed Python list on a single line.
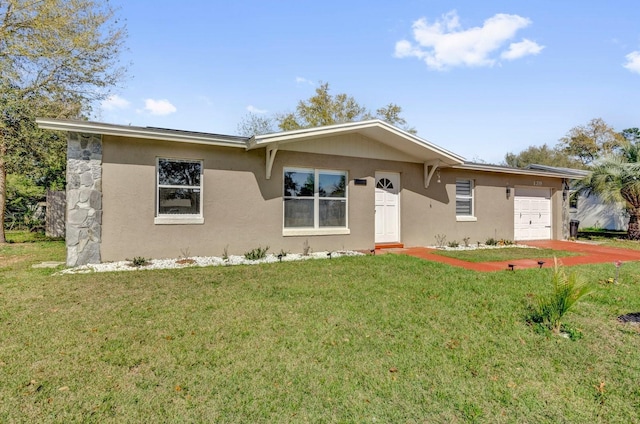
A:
[(179, 191), (314, 199), (464, 199)]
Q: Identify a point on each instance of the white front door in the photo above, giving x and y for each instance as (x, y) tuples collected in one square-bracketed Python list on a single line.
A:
[(387, 207), (532, 214)]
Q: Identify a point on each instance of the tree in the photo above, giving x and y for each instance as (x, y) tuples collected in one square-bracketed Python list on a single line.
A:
[(541, 155), (616, 179), (253, 124), (391, 114), (632, 147), (56, 57), (322, 109), (587, 142)]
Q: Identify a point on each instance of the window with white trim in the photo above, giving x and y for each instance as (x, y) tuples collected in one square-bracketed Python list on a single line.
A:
[(179, 190), (464, 197), (314, 198)]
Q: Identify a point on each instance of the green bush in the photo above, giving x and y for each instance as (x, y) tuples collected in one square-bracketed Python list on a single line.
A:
[(491, 242), (139, 261), (257, 253), (567, 291)]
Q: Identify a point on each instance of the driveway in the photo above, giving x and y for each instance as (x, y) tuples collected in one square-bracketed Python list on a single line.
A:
[(590, 254)]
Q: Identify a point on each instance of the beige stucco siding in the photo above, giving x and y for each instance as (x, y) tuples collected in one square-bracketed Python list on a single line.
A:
[(243, 210), (432, 212)]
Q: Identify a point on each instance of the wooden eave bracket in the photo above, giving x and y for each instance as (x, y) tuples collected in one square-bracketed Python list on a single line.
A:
[(430, 168), (270, 157)]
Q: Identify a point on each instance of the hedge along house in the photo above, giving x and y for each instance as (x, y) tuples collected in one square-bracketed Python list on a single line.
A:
[(151, 192)]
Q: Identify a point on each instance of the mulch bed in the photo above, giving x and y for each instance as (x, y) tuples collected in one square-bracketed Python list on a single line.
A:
[(633, 318)]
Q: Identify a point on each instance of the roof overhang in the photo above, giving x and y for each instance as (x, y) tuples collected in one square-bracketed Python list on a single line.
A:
[(419, 149), (87, 127), (517, 171)]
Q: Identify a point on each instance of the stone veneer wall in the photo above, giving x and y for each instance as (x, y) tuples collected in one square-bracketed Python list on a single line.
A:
[(84, 198)]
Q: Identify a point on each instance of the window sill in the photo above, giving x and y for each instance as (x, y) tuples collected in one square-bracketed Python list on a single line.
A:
[(314, 231), (171, 220), (466, 218)]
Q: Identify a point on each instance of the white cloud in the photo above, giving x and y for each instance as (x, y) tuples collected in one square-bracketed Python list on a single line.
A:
[(159, 107), (521, 49), (301, 80), (444, 43), (253, 109), (633, 62), (114, 102)]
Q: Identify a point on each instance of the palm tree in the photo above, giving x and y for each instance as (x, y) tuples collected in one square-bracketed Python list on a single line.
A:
[(616, 179)]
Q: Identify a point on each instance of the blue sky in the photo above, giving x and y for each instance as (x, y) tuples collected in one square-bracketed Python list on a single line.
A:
[(478, 78)]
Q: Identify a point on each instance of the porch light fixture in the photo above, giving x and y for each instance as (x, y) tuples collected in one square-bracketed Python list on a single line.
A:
[(508, 191), (438, 175)]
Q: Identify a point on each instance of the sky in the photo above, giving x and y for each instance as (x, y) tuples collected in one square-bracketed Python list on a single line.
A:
[(478, 78)]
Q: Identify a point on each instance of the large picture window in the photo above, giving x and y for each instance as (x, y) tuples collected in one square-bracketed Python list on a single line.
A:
[(464, 198), (315, 199), (179, 184)]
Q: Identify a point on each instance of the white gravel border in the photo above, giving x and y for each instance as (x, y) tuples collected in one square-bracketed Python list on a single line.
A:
[(202, 261)]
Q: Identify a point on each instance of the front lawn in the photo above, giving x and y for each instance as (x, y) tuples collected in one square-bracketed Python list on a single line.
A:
[(504, 254), (387, 338), (614, 242)]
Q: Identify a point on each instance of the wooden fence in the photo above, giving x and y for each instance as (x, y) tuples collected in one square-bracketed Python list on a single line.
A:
[(55, 213)]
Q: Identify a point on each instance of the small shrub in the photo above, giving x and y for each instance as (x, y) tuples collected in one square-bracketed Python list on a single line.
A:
[(225, 253), (139, 261), (491, 242), (453, 244), (306, 248), (185, 253), (466, 241), (256, 254), (567, 291), (441, 240), (283, 253), (505, 242)]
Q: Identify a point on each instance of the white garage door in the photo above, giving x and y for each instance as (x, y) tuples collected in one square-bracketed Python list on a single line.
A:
[(532, 217)]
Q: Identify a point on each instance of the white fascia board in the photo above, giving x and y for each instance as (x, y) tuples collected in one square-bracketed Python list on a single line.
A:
[(363, 126), (88, 127), (517, 171)]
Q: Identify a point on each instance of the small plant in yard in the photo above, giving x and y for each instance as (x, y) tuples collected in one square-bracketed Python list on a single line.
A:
[(491, 242), (283, 253), (567, 291), (306, 248), (453, 244), (618, 264), (441, 240), (465, 241), (139, 261), (257, 253), (225, 253), (184, 258)]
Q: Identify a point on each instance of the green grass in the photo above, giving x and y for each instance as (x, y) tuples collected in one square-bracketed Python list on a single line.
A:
[(386, 338), (613, 242), (503, 254), (25, 236)]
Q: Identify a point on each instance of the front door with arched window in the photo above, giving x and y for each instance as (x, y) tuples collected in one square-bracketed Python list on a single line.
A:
[(387, 207)]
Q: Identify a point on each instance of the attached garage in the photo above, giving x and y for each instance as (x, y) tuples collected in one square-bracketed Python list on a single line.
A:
[(532, 214)]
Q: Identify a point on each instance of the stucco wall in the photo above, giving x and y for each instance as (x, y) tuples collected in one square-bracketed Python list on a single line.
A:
[(592, 212), (242, 210)]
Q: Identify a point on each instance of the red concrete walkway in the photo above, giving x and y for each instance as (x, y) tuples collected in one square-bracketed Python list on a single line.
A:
[(589, 254)]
